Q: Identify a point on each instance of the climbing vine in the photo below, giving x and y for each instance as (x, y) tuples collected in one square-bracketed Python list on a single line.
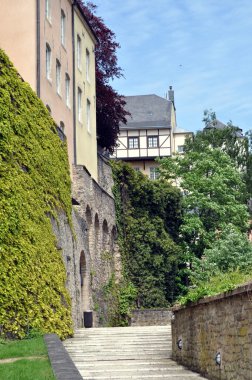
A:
[(119, 297), (148, 218), (34, 186)]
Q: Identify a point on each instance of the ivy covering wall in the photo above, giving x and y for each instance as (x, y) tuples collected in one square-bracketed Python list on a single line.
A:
[(34, 185), (148, 219)]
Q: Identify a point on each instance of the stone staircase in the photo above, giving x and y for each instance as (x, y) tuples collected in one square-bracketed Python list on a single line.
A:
[(126, 353)]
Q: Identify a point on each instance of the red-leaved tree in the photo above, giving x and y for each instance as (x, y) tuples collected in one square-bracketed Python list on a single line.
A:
[(109, 104)]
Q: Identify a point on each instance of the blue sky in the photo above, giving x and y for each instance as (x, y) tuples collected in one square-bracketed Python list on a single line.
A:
[(203, 48)]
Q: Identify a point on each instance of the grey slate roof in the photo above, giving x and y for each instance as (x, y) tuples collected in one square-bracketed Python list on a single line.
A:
[(219, 125), (147, 111), (215, 124)]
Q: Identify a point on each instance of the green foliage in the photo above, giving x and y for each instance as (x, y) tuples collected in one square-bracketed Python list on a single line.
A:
[(230, 141), (148, 217), (225, 265), (212, 175), (231, 252), (120, 298), (220, 283), (34, 185), (213, 195)]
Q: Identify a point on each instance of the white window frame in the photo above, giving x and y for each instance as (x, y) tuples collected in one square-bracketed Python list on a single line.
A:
[(88, 116), (87, 65), (58, 77), (48, 10), (152, 141), (154, 173), (48, 62), (181, 149), (67, 89), (79, 104), (79, 63), (63, 28), (133, 142)]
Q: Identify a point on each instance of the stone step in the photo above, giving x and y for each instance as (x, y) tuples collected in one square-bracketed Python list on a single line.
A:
[(126, 353)]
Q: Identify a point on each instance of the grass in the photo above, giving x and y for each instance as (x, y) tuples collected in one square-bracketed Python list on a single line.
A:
[(25, 368), (22, 348)]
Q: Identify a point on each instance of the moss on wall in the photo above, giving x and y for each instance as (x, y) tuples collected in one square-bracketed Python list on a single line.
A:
[(34, 185)]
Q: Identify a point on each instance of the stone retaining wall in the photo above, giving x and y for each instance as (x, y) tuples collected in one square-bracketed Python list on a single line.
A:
[(151, 317), (89, 249), (216, 325)]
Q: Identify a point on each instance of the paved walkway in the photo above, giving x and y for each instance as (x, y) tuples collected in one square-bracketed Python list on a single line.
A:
[(126, 353)]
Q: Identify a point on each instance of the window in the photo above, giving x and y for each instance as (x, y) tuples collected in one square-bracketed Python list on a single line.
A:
[(67, 85), (87, 64), (78, 52), (152, 141), (48, 61), (79, 105), (58, 75), (137, 169), (133, 142), (88, 116), (62, 126), (154, 174), (49, 109), (63, 27), (48, 10), (180, 149)]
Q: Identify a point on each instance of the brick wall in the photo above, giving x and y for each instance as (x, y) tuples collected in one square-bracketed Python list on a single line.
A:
[(219, 324), (151, 317)]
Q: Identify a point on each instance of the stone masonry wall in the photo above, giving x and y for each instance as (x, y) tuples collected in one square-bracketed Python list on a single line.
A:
[(219, 324), (89, 249), (96, 207), (72, 243), (151, 317), (105, 179)]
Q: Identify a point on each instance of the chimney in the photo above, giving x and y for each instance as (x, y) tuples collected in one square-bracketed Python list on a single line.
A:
[(171, 95)]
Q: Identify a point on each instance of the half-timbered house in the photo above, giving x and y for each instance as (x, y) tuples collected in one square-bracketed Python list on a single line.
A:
[(151, 131)]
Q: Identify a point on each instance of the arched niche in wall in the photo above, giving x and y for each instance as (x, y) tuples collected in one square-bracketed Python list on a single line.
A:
[(84, 301), (105, 236), (113, 237), (88, 216), (96, 234)]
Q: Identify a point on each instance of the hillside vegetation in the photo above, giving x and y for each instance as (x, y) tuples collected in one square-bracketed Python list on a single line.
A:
[(34, 185), (148, 219)]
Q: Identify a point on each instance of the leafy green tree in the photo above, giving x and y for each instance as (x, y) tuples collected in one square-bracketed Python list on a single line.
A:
[(230, 140), (149, 216), (214, 195), (231, 252), (223, 267)]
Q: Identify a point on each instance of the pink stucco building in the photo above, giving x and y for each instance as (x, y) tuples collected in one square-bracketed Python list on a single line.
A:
[(42, 39)]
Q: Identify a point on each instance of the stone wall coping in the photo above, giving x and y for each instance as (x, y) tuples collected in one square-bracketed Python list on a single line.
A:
[(62, 365), (104, 159), (150, 310), (245, 288)]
